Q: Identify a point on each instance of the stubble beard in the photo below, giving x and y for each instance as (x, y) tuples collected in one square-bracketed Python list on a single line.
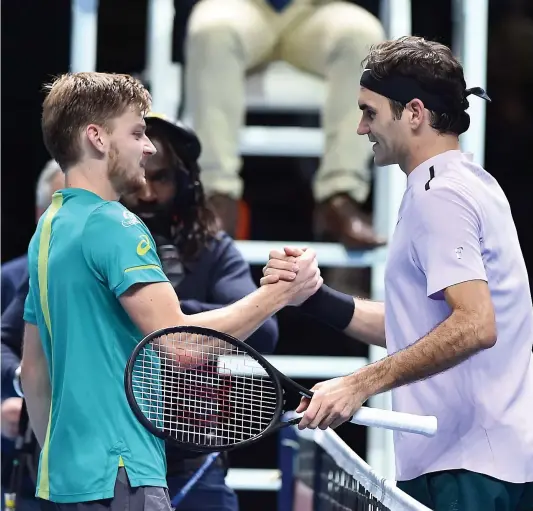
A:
[(124, 180)]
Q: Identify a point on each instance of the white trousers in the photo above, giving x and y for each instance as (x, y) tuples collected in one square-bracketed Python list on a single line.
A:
[(227, 38)]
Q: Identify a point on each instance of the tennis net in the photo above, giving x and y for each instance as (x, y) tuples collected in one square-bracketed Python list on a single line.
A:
[(321, 473)]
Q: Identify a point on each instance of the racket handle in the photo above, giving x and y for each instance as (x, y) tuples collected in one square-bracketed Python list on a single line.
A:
[(397, 421)]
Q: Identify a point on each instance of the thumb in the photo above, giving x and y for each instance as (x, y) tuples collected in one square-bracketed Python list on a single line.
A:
[(308, 255), (294, 251), (304, 403)]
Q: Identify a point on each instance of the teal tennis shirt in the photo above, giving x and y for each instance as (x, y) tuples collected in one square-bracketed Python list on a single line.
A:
[(85, 253)]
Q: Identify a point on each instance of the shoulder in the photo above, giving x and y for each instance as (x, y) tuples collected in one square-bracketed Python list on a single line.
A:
[(221, 243), (217, 247), (448, 204), (220, 253), (224, 247), (111, 227), (111, 219), (113, 212), (445, 191)]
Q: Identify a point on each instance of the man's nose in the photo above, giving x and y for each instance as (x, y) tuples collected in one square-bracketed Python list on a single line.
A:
[(149, 148), (363, 129)]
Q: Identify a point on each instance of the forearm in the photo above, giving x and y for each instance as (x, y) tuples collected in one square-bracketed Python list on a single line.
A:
[(37, 393), (368, 322), (264, 339), (452, 342), (242, 318), (154, 306)]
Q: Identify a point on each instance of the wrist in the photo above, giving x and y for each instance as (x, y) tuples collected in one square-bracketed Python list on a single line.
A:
[(367, 381), (331, 307), (275, 296)]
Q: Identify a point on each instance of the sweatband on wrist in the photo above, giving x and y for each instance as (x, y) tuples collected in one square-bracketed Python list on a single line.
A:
[(331, 307)]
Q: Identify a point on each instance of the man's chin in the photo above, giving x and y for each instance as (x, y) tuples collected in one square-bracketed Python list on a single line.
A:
[(132, 187), (383, 162)]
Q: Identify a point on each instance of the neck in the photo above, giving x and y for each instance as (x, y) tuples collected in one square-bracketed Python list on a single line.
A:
[(92, 177), (426, 149)]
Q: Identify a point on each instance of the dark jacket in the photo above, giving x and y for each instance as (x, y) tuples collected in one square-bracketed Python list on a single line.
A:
[(13, 273)]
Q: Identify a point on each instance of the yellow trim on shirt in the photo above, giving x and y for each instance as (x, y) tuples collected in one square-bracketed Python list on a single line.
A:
[(143, 267), (42, 273)]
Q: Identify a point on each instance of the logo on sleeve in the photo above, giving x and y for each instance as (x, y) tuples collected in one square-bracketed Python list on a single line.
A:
[(143, 245), (129, 219), (459, 252)]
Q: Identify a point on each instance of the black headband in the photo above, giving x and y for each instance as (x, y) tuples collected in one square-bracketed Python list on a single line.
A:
[(404, 89)]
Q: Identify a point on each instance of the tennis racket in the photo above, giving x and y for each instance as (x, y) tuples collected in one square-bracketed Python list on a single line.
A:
[(207, 392)]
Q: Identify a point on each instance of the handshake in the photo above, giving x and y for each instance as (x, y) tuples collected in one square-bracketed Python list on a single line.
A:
[(294, 272)]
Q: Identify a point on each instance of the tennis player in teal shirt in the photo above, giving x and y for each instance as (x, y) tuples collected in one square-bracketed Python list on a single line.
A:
[(97, 246), (96, 288)]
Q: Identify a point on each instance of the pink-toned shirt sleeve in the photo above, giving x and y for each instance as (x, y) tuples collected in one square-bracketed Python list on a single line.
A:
[(447, 239)]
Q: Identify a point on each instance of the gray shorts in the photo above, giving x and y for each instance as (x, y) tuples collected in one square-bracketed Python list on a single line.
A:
[(143, 498)]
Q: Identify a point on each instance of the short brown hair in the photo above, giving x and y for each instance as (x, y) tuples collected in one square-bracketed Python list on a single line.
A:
[(436, 69), (76, 100)]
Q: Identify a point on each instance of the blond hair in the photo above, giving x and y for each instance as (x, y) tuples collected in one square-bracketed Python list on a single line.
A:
[(77, 100)]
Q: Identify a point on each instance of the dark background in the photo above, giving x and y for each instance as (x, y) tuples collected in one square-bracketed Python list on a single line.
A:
[(35, 46)]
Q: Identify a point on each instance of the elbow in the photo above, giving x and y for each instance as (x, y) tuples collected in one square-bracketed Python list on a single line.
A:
[(488, 338), (477, 329), (486, 332)]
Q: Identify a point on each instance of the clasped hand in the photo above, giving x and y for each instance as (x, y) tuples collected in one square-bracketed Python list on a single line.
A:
[(334, 401), (301, 279)]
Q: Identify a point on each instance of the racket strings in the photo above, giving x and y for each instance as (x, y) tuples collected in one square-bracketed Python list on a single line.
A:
[(203, 391)]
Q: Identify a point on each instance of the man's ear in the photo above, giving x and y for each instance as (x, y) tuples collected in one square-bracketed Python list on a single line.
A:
[(98, 137), (417, 112)]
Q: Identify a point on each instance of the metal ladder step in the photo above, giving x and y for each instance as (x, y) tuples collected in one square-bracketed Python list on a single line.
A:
[(329, 254), (281, 141)]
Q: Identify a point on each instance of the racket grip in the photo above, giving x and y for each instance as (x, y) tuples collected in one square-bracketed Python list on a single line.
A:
[(397, 421)]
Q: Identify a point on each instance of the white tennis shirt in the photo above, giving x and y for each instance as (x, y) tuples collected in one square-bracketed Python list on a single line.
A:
[(455, 225)]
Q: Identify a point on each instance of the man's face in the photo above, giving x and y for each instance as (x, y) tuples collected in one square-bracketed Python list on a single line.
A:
[(154, 201), (389, 135), (129, 151)]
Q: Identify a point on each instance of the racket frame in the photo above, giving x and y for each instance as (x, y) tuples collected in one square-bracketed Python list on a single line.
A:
[(279, 380)]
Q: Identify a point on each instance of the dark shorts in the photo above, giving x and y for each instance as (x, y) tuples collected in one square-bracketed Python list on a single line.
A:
[(143, 498), (461, 490)]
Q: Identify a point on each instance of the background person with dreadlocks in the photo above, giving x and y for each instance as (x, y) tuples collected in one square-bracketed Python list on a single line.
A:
[(206, 270)]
